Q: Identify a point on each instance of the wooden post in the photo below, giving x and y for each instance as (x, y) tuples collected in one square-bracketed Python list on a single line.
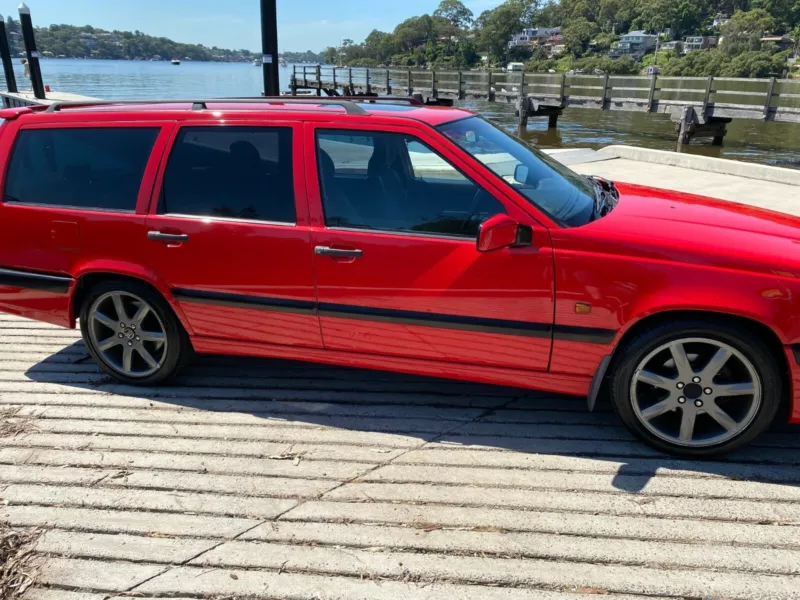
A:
[(552, 120), (523, 106), (605, 92), (563, 88), (433, 83), (707, 97), (489, 94), (768, 102), (350, 79), (293, 85), (319, 81), (388, 83), (369, 85), (651, 97), (334, 77), (460, 91), (410, 85), (522, 83)]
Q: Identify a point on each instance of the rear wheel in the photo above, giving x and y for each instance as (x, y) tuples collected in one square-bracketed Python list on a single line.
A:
[(696, 388), (132, 333)]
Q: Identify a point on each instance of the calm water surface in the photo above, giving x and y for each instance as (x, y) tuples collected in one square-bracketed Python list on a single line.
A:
[(769, 143)]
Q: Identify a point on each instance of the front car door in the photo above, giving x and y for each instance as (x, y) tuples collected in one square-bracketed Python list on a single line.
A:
[(229, 233), (395, 220)]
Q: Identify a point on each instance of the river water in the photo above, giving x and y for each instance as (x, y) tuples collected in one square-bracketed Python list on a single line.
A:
[(768, 143)]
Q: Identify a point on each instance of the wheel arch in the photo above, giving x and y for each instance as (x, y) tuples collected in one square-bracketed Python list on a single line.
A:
[(89, 277), (767, 334)]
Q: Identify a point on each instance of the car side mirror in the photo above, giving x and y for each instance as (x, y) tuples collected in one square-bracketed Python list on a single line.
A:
[(521, 174), (501, 231)]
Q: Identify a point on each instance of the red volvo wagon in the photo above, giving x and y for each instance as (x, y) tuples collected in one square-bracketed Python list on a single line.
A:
[(397, 236)]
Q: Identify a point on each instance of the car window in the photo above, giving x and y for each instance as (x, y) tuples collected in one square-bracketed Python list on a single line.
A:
[(96, 168), (395, 182), (231, 172)]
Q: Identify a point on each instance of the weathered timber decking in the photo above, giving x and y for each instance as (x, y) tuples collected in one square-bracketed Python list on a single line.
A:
[(304, 482), (710, 97)]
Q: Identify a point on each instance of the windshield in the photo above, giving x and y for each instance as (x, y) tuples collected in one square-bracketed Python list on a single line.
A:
[(564, 195)]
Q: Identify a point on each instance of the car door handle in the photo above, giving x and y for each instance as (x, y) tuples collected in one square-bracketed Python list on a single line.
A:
[(167, 237), (337, 252)]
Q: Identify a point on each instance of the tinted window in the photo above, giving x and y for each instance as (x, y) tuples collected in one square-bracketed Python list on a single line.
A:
[(99, 168), (394, 182), (234, 172)]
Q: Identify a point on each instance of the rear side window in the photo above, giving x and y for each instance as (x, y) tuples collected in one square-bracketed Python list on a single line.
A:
[(231, 172), (95, 168)]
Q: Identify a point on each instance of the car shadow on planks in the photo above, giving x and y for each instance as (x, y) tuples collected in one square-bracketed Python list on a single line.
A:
[(408, 410)]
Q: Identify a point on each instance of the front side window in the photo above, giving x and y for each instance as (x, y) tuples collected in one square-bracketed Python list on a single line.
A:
[(547, 184), (97, 168), (231, 172), (395, 182)]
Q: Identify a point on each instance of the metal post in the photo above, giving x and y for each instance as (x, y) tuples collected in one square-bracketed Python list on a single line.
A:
[(269, 47), (33, 53), (5, 51)]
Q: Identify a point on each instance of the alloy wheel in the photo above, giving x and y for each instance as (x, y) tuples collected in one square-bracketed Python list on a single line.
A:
[(127, 334), (696, 392)]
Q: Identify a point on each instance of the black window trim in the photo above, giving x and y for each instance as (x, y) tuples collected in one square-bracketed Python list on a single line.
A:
[(290, 125), (4, 201), (400, 232)]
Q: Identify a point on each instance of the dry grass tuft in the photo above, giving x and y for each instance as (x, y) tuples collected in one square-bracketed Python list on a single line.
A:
[(18, 567), (11, 425)]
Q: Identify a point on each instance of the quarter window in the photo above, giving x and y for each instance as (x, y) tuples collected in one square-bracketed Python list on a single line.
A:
[(395, 182), (231, 172), (95, 168)]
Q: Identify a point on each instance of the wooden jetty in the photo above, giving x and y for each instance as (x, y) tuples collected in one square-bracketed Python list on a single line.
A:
[(700, 106)]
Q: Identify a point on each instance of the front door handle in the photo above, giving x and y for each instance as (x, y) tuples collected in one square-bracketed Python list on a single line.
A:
[(337, 252), (167, 237)]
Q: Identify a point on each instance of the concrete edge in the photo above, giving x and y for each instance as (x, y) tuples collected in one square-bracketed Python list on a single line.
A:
[(705, 163)]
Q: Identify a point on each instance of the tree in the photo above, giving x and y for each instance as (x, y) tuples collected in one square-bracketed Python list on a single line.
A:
[(415, 32), (744, 31), (498, 25), (577, 34), (455, 12)]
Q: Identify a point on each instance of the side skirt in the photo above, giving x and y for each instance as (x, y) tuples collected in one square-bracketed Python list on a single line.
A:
[(577, 385)]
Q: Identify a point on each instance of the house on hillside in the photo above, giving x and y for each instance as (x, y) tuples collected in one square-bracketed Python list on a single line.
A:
[(533, 36), (720, 20), (672, 46), (635, 43), (699, 42), (783, 42)]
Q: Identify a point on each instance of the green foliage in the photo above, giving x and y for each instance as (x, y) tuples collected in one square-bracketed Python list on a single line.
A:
[(743, 32), (577, 34), (455, 12)]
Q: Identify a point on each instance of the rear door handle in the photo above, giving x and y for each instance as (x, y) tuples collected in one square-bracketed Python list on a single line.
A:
[(337, 252), (167, 237)]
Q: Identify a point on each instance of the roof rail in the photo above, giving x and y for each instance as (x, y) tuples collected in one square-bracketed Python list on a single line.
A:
[(363, 98), (351, 108)]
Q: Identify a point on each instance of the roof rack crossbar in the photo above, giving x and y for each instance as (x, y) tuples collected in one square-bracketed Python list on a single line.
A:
[(351, 108)]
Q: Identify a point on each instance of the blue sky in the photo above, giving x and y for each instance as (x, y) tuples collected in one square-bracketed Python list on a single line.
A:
[(302, 24)]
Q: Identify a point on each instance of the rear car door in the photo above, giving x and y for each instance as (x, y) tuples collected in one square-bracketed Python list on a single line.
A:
[(73, 194), (396, 218), (229, 233)]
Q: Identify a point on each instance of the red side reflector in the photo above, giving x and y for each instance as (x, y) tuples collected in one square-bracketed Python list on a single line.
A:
[(9, 114)]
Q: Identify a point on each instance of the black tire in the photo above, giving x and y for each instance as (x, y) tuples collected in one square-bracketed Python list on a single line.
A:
[(178, 348), (742, 339)]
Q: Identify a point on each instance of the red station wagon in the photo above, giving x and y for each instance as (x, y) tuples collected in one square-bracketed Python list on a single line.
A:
[(397, 236)]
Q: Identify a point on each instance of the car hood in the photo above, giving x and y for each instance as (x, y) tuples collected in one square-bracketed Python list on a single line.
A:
[(667, 225)]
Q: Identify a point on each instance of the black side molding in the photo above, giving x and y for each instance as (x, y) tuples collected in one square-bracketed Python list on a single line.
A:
[(244, 301), (56, 284)]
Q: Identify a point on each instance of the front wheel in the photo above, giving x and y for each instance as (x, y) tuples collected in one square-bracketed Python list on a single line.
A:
[(696, 388), (132, 333)]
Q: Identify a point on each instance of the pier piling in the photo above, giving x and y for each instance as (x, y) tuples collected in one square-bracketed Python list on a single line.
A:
[(5, 53), (32, 52)]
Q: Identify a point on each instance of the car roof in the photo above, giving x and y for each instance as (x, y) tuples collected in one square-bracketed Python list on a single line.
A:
[(304, 108)]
